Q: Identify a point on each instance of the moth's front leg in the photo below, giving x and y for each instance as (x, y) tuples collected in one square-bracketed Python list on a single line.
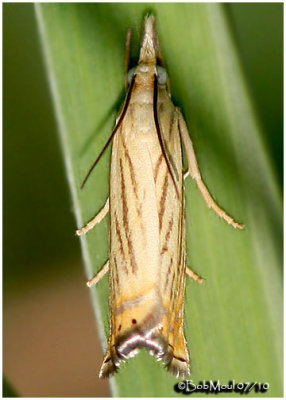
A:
[(96, 220), (194, 171)]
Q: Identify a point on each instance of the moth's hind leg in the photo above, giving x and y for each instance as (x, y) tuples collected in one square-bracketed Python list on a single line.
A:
[(195, 174), (96, 220), (193, 275), (99, 275)]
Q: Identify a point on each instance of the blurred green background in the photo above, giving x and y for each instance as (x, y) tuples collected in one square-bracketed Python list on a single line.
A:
[(43, 278)]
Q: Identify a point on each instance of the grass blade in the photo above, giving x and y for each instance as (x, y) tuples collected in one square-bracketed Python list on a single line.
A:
[(233, 321)]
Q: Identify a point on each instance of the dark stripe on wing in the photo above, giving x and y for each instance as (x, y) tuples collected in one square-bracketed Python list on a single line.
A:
[(134, 266)]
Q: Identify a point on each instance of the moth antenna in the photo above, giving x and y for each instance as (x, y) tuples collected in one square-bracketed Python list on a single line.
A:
[(155, 101), (113, 132)]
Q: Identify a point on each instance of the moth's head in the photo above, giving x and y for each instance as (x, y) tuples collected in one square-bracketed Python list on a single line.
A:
[(150, 59), (145, 73)]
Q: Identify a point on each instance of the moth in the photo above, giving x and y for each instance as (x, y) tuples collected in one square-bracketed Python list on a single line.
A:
[(147, 256)]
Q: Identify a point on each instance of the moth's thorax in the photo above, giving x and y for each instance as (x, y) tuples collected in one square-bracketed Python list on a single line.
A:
[(142, 112), (144, 94)]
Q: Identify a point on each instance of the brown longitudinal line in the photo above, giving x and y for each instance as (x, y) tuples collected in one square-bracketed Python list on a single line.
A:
[(167, 236), (134, 187), (171, 124), (131, 169), (172, 293), (163, 200), (169, 155), (181, 245), (112, 302), (168, 273), (157, 166), (118, 234), (125, 220), (116, 272)]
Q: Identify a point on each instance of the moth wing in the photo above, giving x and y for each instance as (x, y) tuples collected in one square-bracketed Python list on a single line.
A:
[(147, 253), (172, 248), (135, 298)]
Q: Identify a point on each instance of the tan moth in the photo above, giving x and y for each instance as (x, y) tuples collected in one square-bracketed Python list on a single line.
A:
[(147, 256)]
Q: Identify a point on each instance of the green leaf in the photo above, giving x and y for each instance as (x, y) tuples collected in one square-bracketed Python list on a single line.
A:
[(233, 320)]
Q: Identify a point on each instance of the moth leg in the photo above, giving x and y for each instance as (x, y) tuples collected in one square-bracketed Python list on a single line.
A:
[(186, 174), (99, 275), (195, 174), (193, 275), (96, 220)]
